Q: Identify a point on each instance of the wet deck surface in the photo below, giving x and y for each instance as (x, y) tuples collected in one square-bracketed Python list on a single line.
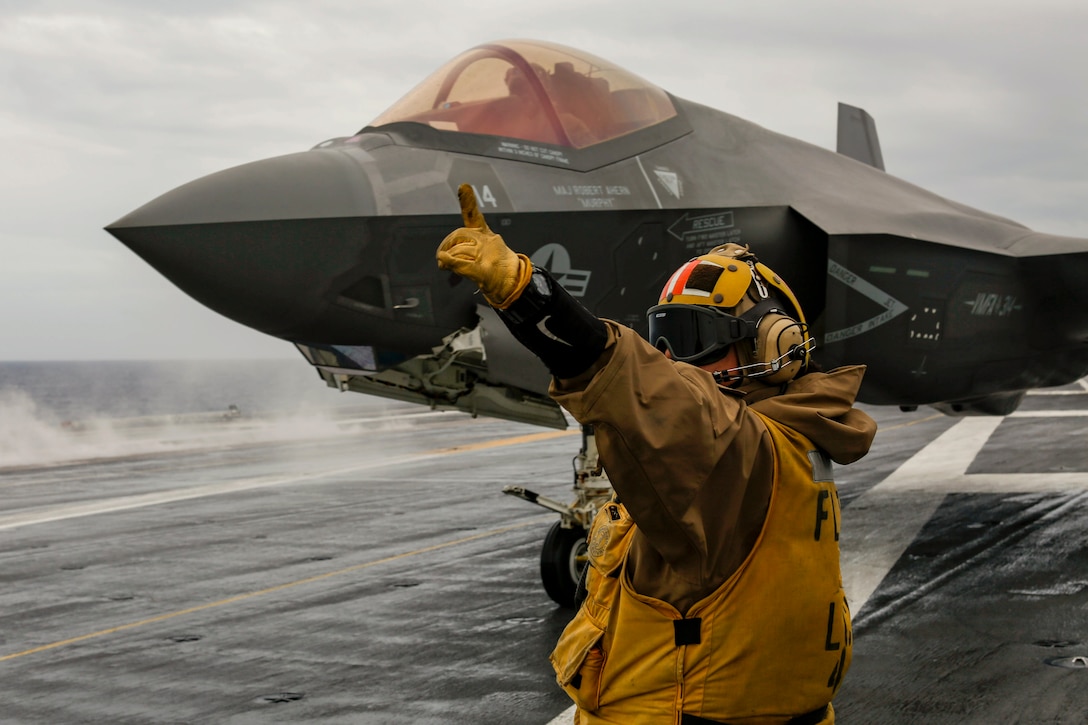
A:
[(987, 602), (378, 575)]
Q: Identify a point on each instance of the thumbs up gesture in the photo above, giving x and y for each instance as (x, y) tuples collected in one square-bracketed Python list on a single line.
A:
[(477, 253)]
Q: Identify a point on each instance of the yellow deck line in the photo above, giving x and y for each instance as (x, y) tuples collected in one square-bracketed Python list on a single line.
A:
[(269, 590)]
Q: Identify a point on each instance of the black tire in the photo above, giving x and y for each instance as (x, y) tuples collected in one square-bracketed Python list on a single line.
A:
[(561, 561)]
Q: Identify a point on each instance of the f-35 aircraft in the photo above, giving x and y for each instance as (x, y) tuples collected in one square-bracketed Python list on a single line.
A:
[(610, 183)]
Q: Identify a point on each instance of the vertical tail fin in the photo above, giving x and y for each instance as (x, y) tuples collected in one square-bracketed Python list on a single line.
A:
[(857, 136)]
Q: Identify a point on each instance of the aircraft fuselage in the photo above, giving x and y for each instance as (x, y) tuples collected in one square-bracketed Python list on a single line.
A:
[(333, 249)]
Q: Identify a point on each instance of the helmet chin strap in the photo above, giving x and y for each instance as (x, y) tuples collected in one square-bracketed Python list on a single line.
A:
[(760, 369)]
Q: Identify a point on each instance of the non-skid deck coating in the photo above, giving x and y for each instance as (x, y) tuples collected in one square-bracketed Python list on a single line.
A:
[(378, 575)]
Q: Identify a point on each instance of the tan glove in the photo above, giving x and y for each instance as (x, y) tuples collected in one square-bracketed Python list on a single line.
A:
[(477, 253)]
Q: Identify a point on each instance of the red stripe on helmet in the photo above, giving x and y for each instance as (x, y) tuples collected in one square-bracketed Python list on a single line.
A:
[(679, 279)]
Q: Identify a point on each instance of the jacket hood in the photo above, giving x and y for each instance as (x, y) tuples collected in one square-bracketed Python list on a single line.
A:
[(820, 406)]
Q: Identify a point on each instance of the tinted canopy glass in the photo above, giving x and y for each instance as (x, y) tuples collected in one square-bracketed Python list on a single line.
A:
[(533, 91)]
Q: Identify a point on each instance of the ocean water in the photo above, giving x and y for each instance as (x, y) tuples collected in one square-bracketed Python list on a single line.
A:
[(62, 412)]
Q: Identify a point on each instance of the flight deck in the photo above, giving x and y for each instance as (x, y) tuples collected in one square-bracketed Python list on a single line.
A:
[(376, 574)]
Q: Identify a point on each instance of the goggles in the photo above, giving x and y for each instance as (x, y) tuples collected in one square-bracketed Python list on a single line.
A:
[(695, 333)]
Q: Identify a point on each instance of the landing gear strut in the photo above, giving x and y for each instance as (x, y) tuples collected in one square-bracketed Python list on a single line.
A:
[(563, 555)]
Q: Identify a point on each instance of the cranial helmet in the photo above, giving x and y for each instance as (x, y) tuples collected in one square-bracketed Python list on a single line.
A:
[(728, 297)]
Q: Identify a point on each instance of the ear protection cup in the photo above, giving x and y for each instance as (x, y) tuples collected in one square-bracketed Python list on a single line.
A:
[(782, 339)]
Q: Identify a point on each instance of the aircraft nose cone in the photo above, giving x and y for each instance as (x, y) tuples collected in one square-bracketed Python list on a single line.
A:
[(317, 184), (259, 243)]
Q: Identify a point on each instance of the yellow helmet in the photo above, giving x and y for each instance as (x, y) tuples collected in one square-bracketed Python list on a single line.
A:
[(725, 297)]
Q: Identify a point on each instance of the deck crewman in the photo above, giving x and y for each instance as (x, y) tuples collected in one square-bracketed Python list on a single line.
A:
[(713, 590)]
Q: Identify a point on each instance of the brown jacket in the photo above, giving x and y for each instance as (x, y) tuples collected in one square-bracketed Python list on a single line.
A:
[(691, 463)]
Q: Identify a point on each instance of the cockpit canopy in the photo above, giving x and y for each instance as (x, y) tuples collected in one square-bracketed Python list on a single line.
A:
[(533, 91)]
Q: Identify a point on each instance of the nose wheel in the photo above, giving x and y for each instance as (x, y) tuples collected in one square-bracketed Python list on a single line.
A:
[(565, 553), (562, 559)]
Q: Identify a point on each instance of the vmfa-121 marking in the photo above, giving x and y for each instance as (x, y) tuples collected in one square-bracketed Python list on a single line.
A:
[(611, 183)]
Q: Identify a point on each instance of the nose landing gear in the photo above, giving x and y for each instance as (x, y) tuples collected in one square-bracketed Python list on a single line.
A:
[(562, 559), (564, 553)]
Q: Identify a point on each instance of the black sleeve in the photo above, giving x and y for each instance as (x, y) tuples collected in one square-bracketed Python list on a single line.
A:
[(555, 327)]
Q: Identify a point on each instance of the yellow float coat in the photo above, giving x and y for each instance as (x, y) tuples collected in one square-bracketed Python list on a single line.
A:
[(728, 517), (761, 636)]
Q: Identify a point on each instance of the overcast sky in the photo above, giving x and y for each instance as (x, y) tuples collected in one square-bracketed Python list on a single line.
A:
[(105, 104)]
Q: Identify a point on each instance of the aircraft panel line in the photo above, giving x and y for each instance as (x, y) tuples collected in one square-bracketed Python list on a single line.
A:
[(648, 182)]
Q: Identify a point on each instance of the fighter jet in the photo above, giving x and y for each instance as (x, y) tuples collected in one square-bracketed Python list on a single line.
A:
[(611, 183)]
